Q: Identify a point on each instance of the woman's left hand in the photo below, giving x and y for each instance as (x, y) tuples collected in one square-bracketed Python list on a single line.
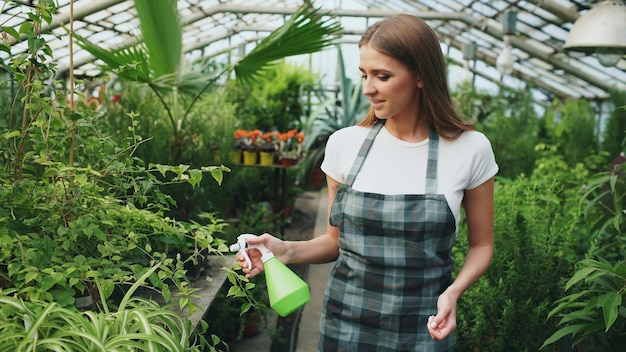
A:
[(444, 323)]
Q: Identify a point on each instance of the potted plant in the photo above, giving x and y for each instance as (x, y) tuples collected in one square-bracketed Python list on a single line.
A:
[(268, 146), (290, 147), (246, 142)]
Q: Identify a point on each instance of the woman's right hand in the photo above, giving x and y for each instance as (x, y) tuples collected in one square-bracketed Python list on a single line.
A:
[(277, 246)]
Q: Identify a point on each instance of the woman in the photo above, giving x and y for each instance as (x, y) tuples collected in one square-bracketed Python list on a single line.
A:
[(396, 183)]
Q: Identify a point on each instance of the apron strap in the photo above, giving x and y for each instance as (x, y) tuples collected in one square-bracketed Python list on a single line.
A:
[(431, 168), (365, 148)]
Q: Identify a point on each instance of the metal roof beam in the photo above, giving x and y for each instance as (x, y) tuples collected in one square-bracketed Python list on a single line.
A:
[(80, 13), (546, 57), (569, 14), (549, 5), (491, 61), (426, 15)]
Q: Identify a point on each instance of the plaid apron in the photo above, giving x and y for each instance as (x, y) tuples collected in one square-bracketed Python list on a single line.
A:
[(394, 261)]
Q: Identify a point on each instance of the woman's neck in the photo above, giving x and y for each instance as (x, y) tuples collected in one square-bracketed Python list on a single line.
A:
[(409, 130)]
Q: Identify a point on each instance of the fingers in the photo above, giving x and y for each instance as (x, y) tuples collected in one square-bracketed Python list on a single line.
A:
[(255, 266), (440, 328), (242, 263), (261, 239)]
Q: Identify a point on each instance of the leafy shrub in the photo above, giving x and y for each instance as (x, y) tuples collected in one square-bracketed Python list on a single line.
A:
[(538, 232), (571, 127), (594, 312), (615, 129), (78, 207), (504, 118)]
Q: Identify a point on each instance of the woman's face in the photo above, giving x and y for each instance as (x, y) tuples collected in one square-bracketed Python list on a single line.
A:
[(390, 86)]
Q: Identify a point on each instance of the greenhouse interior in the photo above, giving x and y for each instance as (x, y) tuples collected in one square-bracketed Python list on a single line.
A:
[(142, 138)]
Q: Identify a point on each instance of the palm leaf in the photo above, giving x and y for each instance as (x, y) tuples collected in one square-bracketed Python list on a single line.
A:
[(162, 32), (129, 63), (307, 31)]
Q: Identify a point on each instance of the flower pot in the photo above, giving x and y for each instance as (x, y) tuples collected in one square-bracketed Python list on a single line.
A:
[(288, 162), (235, 156), (266, 158), (317, 179), (249, 158), (252, 323)]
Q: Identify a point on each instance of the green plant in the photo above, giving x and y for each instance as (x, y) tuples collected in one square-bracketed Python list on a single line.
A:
[(67, 226), (615, 129), (330, 116), (137, 324), (276, 99), (572, 127), (78, 207), (166, 73), (503, 118), (538, 234), (594, 315)]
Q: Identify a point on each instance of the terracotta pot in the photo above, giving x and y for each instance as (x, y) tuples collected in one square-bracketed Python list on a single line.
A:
[(318, 177), (288, 162), (253, 322)]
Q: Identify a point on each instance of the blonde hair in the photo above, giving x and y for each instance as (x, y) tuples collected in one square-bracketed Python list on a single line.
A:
[(411, 41)]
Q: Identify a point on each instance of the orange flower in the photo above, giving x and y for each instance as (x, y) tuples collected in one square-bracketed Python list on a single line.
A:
[(246, 139), (291, 144)]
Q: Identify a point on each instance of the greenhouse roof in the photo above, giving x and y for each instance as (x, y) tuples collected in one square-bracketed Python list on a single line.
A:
[(219, 27)]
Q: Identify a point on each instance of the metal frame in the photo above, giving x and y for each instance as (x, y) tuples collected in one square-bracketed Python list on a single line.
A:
[(216, 27)]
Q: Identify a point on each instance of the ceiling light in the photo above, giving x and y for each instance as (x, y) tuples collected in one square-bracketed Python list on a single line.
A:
[(601, 31), (469, 54), (469, 51), (504, 63)]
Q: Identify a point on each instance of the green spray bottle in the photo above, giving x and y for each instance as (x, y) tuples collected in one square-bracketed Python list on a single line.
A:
[(287, 291)]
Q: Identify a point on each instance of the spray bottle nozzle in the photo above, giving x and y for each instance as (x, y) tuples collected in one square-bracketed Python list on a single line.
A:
[(286, 290), (242, 245)]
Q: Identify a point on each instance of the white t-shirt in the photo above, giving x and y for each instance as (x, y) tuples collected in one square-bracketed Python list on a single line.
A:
[(394, 166)]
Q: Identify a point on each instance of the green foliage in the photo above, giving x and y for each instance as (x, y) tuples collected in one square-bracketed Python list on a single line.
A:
[(173, 80), (162, 31), (275, 100), (594, 313), (307, 31), (511, 123), (571, 127), (77, 207), (591, 314), (537, 231), (615, 131), (330, 116), (137, 324), (257, 218), (208, 140)]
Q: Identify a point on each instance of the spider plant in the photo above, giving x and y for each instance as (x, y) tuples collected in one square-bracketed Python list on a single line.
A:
[(137, 325)]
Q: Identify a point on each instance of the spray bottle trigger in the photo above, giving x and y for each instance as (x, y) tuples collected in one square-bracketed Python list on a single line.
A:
[(237, 247)]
